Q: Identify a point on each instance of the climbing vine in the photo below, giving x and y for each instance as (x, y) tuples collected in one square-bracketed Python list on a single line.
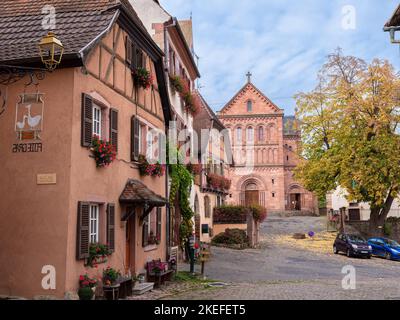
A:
[(181, 182)]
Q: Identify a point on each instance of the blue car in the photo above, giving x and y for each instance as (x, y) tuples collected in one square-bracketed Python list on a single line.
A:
[(386, 248)]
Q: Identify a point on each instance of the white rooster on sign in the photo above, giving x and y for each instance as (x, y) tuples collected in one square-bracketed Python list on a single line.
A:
[(21, 124), (32, 121)]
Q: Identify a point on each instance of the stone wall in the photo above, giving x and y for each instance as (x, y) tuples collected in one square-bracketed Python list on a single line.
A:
[(392, 228)]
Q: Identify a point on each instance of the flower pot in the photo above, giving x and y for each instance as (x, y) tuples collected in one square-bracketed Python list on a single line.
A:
[(86, 293), (111, 292)]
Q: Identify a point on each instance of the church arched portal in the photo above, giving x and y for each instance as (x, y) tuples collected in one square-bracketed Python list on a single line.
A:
[(251, 193)]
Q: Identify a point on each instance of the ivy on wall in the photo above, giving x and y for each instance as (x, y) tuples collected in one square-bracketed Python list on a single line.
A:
[(181, 183)]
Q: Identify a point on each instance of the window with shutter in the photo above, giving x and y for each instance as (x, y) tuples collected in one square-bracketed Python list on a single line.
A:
[(111, 226), (87, 120), (145, 231), (128, 57), (82, 242), (114, 128), (158, 231), (135, 138)]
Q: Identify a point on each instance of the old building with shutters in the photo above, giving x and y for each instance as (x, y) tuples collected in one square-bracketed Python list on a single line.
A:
[(211, 183), (264, 147), (54, 201), (175, 39)]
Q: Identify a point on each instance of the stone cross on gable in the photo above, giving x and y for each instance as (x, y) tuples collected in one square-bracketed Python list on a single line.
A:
[(249, 76)]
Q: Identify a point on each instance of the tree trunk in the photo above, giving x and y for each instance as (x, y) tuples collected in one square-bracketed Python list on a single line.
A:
[(374, 222), (378, 217)]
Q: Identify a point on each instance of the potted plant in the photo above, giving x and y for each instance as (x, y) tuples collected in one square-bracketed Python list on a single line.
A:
[(152, 239), (110, 284), (152, 170), (97, 254), (103, 152), (142, 77), (87, 287)]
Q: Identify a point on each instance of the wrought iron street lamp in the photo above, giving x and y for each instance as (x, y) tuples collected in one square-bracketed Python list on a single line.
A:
[(51, 51)]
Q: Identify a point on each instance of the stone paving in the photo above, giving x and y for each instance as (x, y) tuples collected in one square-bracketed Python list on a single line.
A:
[(280, 272)]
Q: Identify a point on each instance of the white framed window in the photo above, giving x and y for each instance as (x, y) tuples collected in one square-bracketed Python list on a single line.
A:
[(249, 106), (239, 135), (94, 223), (97, 121), (250, 134)]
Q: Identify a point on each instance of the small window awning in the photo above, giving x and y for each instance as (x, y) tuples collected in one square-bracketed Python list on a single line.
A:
[(137, 194)]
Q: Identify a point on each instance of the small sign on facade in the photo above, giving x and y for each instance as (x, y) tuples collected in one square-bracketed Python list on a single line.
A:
[(46, 179), (29, 116)]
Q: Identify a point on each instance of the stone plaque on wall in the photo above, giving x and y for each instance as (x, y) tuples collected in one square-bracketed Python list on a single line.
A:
[(47, 178)]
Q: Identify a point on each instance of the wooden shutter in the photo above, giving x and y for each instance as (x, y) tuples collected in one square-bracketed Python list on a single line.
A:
[(87, 120), (158, 233), (135, 128), (111, 226), (128, 53), (114, 128), (82, 236), (145, 231)]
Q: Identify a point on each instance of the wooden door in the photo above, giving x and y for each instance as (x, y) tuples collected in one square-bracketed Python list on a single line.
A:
[(130, 244), (252, 197)]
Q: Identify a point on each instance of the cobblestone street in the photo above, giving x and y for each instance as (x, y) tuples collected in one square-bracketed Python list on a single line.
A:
[(280, 272)]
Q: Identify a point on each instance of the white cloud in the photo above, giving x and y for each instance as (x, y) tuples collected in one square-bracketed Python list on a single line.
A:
[(283, 42)]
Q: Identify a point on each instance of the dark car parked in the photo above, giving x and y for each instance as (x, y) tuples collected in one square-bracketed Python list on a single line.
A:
[(386, 248), (352, 245)]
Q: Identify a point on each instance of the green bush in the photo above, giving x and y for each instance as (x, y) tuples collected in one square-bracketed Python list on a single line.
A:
[(231, 236), (230, 214)]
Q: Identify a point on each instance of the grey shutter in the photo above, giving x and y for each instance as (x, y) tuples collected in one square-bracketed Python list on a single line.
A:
[(158, 233), (111, 226), (128, 48), (145, 231), (87, 120), (135, 128), (114, 128), (82, 237)]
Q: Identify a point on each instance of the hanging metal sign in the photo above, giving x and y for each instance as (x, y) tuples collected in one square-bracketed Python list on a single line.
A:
[(29, 116)]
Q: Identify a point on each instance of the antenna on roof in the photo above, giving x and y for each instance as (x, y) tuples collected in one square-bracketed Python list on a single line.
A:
[(191, 15)]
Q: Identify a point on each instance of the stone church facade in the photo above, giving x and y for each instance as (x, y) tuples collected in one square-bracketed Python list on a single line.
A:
[(264, 147)]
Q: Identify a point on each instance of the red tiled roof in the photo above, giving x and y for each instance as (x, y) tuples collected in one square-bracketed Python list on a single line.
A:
[(136, 192), (394, 21), (78, 22)]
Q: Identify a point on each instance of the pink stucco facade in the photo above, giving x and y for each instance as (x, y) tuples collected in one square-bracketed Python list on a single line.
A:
[(264, 147), (40, 220)]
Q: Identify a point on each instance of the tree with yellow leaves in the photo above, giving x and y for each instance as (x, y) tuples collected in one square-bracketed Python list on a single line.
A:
[(350, 133)]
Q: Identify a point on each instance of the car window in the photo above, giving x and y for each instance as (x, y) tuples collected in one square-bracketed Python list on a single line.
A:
[(380, 242), (355, 238), (392, 243)]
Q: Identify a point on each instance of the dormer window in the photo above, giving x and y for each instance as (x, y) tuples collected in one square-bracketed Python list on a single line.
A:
[(249, 106)]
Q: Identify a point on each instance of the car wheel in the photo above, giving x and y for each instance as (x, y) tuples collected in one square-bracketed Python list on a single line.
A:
[(388, 256), (369, 257), (335, 250), (348, 253)]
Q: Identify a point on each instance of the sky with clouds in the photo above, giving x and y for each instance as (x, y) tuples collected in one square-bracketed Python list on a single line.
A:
[(282, 42)]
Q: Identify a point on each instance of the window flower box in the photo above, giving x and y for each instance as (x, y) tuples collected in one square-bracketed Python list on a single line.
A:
[(142, 78), (98, 253), (103, 152), (152, 170), (192, 101), (218, 182)]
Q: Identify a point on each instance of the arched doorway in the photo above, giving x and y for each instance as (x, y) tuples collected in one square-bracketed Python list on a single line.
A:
[(295, 198), (251, 194)]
